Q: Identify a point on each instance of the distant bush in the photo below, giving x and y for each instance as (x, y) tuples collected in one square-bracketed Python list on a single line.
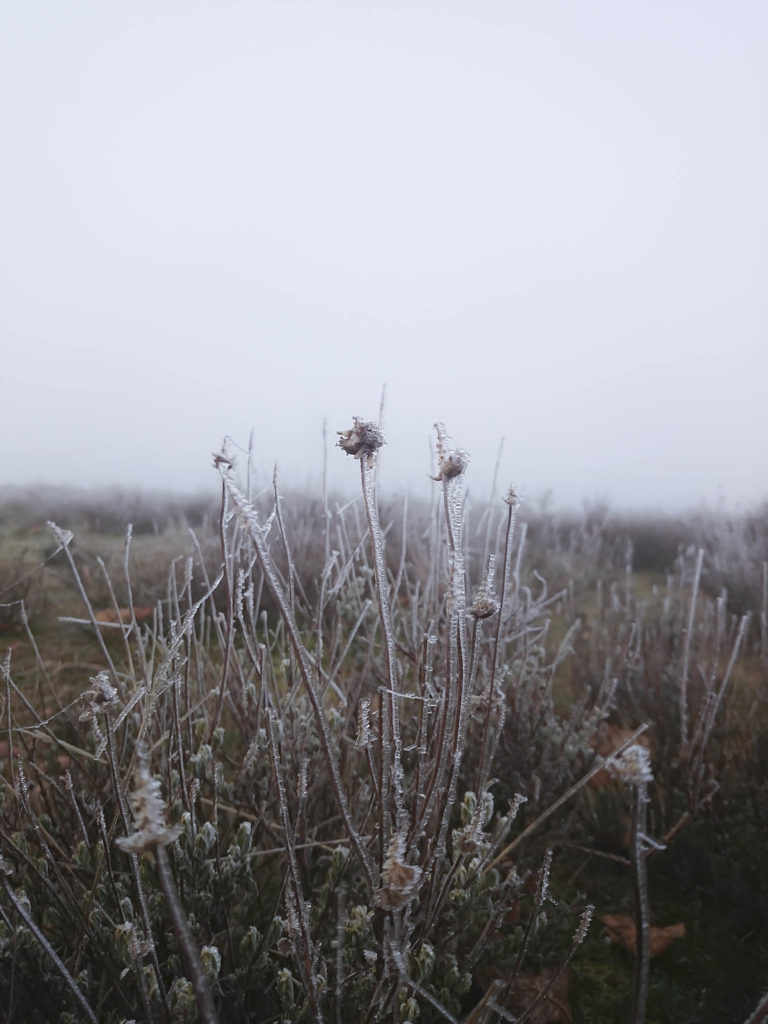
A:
[(108, 511)]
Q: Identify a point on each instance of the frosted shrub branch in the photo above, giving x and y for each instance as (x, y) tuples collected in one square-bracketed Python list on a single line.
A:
[(250, 520)]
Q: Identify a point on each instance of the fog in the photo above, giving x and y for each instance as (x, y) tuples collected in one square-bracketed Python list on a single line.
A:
[(545, 222)]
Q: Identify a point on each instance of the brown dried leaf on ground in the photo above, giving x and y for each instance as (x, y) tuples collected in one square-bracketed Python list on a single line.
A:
[(622, 930), (554, 1007), (123, 615)]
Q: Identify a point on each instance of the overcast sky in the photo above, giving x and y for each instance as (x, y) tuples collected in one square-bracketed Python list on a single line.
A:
[(542, 221)]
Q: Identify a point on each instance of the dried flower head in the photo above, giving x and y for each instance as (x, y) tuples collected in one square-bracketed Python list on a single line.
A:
[(101, 698), (362, 441), (149, 812), (399, 881), (451, 462), (513, 499)]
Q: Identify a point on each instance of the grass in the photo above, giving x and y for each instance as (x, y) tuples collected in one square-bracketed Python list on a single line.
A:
[(340, 761)]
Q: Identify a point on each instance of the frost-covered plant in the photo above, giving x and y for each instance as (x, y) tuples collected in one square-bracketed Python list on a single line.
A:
[(332, 778)]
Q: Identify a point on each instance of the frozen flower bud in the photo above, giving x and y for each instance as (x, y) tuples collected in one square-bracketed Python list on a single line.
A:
[(362, 441), (210, 958), (512, 498), (358, 920)]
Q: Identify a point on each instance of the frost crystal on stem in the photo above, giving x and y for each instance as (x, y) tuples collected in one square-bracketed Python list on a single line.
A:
[(363, 738)]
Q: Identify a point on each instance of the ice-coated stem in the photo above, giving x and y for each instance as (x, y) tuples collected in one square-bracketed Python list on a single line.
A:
[(391, 744), (193, 968), (640, 891)]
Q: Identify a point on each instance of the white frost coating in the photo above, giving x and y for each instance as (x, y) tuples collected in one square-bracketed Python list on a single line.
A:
[(377, 542)]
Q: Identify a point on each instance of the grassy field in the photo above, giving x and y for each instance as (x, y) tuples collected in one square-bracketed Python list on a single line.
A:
[(288, 759)]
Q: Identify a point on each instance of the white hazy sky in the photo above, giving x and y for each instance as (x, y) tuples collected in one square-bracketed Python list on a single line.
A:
[(543, 220)]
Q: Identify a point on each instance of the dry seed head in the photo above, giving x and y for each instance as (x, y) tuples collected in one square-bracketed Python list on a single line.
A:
[(223, 460), (102, 694), (450, 462), (584, 922), (149, 811), (101, 697), (485, 603), (362, 441)]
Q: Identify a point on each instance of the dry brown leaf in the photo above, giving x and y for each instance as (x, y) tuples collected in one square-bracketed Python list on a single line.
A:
[(622, 930), (399, 881), (554, 1007), (123, 615)]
